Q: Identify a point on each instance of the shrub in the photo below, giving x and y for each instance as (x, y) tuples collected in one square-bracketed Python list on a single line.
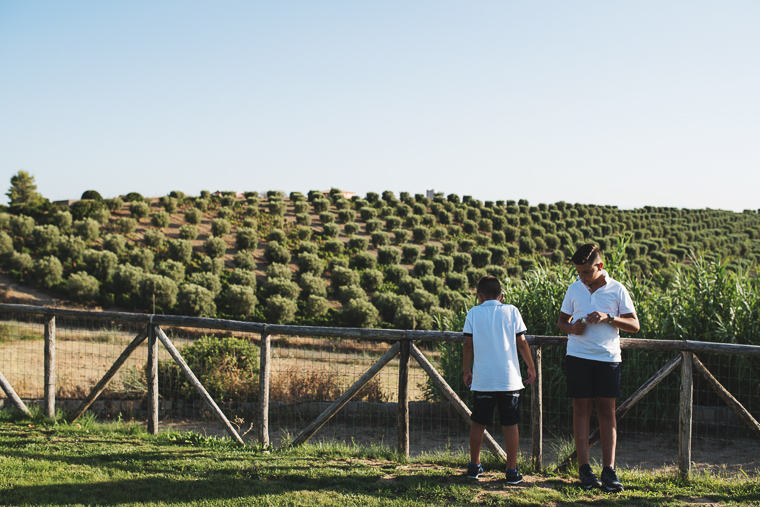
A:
[(333, 246), (423, 300), (62, 220), (432, 284), (276, 270), (351, 228), (364, 260), (100, 264), (496, 271), (462, 261), (21, 261), (337, 262), (220, 227), (240, 276), (457, 281), (413, 221), (372, 279), (373, 226), (224, 213), (358, 243), (6, 244), (126, 225), (247, 239), (452, 300), (209, 265), (303, 233), (432, 250), (201, 205), (326, 217), (388, 255), (141, 258), (466, 245), (126, 279), (349, 292), (240, 300), (21, 225), (527, 264), (82, 287), (188, 232), (400, 236), (208, 280), (310, 263), (115, 203), (474, 275), (312, 285), (442, 264), (421, 234), (133, 197), (46, 237), (276, 253), (300, 207), (552, 241), (499, 255), (139, 210), (498, 237), (392, 223), (169, 203), (282, 287), (410, 254), (330, 230), (394, 273), (317, 306), (341, 277), (527, 245), (48, 271), (303, 219), (407, 285), (172, 269), (423, 268), (245, 260), (280, 310), (153, 238), (308, 247), (87, 229), (380, 238), (196, 300), (160, 219), (101, 215), (360, 313), (193, 216)]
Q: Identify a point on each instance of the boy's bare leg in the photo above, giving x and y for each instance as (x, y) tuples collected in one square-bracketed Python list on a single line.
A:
[(605, 411), (511, 443), (582, 408), (476, 441)]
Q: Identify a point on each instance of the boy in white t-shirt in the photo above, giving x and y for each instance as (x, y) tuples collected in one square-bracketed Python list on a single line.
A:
[(595, 309), (494, 333)]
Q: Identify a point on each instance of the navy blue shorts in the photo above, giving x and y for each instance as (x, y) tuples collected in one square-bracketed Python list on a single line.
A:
[(508, 403), (588, 379)]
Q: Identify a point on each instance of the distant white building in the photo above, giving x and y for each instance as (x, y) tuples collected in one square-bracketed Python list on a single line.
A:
[(431, 193)]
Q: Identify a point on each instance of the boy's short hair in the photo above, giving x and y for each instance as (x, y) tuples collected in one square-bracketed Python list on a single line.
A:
[(489, 287), (587, 254)]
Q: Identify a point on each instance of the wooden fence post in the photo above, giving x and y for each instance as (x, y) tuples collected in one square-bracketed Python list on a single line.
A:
[(403, 398), (537, 411), (152, 370), (50, 366), (11, 394), (264, 372), (684, 414)]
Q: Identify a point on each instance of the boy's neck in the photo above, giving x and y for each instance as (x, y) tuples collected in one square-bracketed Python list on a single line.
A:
[(482, 299)]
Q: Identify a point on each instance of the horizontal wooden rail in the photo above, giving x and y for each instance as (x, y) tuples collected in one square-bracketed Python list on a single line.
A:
[(361, 333)]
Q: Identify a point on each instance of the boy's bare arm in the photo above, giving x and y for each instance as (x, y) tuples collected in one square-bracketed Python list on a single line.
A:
[(628, 322), (524, 348), (564, 323), (467, 360)]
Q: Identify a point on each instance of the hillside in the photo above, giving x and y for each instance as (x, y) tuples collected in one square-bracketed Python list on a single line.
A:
[(383, 260)]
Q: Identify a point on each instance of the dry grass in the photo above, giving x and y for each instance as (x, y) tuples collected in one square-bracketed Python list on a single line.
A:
[(293, 386)]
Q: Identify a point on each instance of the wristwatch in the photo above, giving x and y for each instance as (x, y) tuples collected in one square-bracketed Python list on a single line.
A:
[(610, 318)]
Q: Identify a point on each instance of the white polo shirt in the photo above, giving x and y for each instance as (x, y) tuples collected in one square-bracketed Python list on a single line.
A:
[(494, 327), (599, 342)]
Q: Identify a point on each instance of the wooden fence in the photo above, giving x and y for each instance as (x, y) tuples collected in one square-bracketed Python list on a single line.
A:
[(403, 346)]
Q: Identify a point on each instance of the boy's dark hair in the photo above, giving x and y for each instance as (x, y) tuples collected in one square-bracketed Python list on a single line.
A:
[(587, 254), (489, 287)]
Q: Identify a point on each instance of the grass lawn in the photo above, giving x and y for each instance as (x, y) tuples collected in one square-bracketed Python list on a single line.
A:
[(88, 463)]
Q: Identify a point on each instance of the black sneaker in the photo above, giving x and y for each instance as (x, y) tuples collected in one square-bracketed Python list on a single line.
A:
[(474, 471), (610, 481), (588, 479), (513, 476)]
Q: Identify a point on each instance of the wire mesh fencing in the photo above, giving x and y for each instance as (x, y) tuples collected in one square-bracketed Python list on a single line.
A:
[(309, 371)]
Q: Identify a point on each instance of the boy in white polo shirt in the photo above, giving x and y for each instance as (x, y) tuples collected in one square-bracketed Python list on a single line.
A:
[(595, 309), (494, 333)]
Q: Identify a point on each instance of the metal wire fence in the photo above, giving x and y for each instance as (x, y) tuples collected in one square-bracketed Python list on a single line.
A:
[(309, 372)]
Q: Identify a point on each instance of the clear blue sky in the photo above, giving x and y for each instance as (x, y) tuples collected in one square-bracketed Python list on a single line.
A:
[(626, 103)]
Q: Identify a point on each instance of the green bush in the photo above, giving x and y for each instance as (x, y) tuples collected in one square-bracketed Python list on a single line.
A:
[(388, 255), (246, 238), (372, 279), (276, 270), (317, 306), (423, 300), (127, 278), (333, 246), (341, 276), (457, 281), (330, 230), (410, 254), (220, 227), (300, 207), (160, 219), (360, 313), (201, 205), (100, 264), (527, 245), (466, 245), (87, 229), (326, 217), (474, 275), (421, 234), (114, 243), (126, 225), (407, 285), (349, 292), (304, 233), (196, 301), (139, 210), (280, 310), (6, 244), (153, 238), (373, 226), (452, 300), (172, 269), (21, 225), (351, 228), (114, 204), (141, 258), (496, 271), (394, 273), (400, 236), (188, 232), (240, 300), (224, 213), (380, 239), (282, 287), (48, 271), (215, 247), (462, 261), (432, 284), (169, 204), (310, 263), (423, 268), (358, 243), (227, 367), (133, 197), (308, 247), (82, 287), (442, 264), (241, 276), (21, 261), (312, 285), (63, 220), (481, 257), (208, 280), (245, 260), (46, 237), (71, 248), (193, 216), (276, 253), (499, 255), (364, 260), (214, 266)]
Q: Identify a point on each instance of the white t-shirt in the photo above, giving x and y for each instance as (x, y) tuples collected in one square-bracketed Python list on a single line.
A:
[(494, 327), (599, 342)]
